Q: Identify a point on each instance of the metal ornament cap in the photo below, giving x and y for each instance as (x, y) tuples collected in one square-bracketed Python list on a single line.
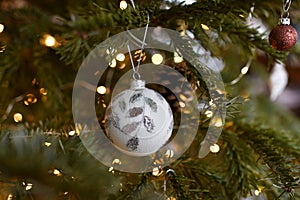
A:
[(283, 36), (139, 121)]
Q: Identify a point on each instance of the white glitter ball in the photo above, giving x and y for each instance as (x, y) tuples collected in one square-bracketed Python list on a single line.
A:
[(139, 121)]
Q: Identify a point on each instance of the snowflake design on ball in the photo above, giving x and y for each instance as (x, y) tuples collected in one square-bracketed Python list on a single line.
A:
[(133, 144)]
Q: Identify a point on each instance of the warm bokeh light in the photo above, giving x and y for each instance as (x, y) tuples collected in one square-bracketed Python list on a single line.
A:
[(181, 104), (48, 144), (43, 91), (256, 192), (122, 66), (30, 99), (157, 59), (209, 113), (10, 197), (169, 153), (204, 27), (137, 55), (177, 58), (49, 40), (171, 198), (120, 57), (1, 28), (113, 63), (157, 171), (72, 133), (116, 161), (214, 148), (111, 169), (18, 117), (123, 5), (182, 97), (101, 89), (28, 186), (244, 70), (56, 172)]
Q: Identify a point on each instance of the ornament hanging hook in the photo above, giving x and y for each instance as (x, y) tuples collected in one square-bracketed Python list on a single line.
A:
[(285, 7)]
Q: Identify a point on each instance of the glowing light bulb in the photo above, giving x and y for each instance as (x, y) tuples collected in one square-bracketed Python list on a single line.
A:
[(10, 197), (30, 99), (123, 5), (48, 144), (43, 91), (57, 172), (256, 192), (157, 171), (169, 153), (214, 148), (181, 104), (49, 40), (117, 161), (111, 169), (204, 27), (139, 55), (244, 70), (18, 117), (171, 198), (101, 89), (177, 58), (209, 113), (113, 63), (182, 97), (72, 133), (28, 186), (157, 59), (1, 28), (120, 57)]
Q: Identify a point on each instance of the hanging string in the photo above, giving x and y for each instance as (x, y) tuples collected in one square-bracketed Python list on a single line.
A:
[(143, 43), (136, 75)]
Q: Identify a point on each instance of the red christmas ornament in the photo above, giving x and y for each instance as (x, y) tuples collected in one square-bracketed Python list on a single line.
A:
[(283, 36)]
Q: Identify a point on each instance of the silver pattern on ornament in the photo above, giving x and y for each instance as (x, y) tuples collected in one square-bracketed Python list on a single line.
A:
[(134, 112), (139, 120), (133, 144), (122, 105), (151, 103), (136, 97), (129, 128), (148, 123)]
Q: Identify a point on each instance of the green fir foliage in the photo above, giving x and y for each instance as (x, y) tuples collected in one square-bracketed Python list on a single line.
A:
[(259, 143)]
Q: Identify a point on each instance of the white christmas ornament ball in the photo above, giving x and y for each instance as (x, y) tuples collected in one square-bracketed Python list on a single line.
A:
[(139, 121)]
